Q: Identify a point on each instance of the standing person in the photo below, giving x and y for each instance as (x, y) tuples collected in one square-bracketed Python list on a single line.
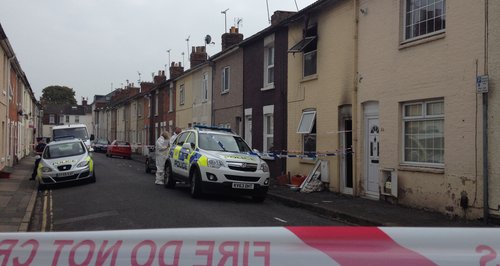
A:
[(174, 136), (38, 150), (161, 150)]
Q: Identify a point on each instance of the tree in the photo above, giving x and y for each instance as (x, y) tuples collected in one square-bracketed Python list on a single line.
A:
[(58, 95)]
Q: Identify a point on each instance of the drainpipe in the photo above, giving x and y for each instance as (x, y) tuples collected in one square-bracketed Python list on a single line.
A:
[(485, 122), (354, 100)]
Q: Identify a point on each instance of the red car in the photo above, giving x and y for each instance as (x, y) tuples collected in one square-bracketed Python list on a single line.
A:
[(119, 148)]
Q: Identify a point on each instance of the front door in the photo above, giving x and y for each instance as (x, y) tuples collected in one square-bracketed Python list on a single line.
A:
[(346, 159), (372, 157)]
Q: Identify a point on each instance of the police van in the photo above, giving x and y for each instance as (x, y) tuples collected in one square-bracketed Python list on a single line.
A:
[(215, 160)]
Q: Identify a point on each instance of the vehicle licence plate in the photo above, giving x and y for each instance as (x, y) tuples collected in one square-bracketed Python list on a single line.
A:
[(64, 174), (242, 186)]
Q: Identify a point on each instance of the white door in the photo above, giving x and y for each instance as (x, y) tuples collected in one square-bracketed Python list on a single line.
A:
[(372, 157), (248, 130)]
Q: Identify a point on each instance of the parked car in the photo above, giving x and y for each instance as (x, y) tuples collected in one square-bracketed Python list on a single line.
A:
[(100, 145), (214, 160), (65, 161), (119, 148), (150, 163)]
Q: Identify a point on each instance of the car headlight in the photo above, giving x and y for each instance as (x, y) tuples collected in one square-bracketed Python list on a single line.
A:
[(83, 164), (46, 169), (264, 167), (214, 163)]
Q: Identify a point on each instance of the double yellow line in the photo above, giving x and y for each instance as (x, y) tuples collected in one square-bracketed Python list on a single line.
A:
[(47, 214)]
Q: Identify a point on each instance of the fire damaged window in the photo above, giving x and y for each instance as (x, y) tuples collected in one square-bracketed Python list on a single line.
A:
[(308, 46)]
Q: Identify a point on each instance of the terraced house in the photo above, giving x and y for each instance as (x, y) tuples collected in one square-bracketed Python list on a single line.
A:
[(396, 98), (19, 109)]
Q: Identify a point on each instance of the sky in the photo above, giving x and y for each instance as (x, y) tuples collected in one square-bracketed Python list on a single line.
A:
[(95, 46)]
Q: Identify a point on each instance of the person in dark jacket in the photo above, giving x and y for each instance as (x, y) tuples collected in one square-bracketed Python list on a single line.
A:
[(38, 150)]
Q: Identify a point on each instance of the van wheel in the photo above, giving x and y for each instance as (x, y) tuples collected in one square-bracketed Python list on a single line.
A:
[(168, 177), (195, 184)]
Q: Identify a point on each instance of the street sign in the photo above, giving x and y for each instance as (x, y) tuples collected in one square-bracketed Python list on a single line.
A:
[(482, 84)]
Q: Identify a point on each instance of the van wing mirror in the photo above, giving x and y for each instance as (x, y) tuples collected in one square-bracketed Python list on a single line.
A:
[(92, 137)]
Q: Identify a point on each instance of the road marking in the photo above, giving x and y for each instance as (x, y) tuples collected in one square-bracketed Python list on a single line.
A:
[(51, 212), (88, 217), (281, 220), (44, 211)]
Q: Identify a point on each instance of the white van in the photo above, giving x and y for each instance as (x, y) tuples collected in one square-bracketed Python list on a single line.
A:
[(72, 131)]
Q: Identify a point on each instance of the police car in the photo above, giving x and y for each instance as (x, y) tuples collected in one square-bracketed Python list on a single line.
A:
[(215, 160), (65, 160)]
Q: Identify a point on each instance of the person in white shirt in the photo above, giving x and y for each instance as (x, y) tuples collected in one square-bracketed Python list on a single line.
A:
[(161, 150), (174, 136)]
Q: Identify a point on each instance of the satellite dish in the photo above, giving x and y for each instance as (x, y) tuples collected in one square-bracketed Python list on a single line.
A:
[(208, 39)]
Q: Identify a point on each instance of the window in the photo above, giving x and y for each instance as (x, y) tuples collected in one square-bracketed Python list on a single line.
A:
[(171, 100), (157, 95), (269, 62), (268, 128), (77, 119), (181, 95), (204, 87), (308, 46), (149, 107), (225, 80), (423, 17), (307, 127), (423, 132), (52, 119), (67, 119)]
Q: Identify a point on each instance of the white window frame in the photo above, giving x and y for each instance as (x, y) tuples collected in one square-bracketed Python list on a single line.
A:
[(204, 87), (309, 127), (268, 115), (412, 19), (182, 95), (52, 119), (307, 132), (171, 100), (269, 62), (77, 119), (225, 79), (422, 117), (67, 119), (149, 107)]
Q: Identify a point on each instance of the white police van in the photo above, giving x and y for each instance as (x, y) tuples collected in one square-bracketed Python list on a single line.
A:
[(215, 160)]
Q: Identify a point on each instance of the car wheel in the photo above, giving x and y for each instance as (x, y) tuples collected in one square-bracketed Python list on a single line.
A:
[(148, 170), (93, 178), (259, 198), (168, 177), (195, 188)]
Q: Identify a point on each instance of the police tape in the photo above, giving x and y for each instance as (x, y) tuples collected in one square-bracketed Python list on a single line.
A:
[(256, 246), (305, 155)]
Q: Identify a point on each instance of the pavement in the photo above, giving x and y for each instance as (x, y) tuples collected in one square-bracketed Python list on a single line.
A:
[(18, 195)]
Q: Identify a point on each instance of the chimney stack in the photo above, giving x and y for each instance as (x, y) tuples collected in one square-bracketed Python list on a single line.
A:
[(231, 38), (279, 16), (198, 56), (176, 70), (160, 77)]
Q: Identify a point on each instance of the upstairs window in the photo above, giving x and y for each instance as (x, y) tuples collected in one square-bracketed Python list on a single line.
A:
[(225, 80), (423, 17), (269, 62), (171, 100), (77, 119), (52, 119), (204, 87), (182, 95), (67, 119), (308, 46)]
